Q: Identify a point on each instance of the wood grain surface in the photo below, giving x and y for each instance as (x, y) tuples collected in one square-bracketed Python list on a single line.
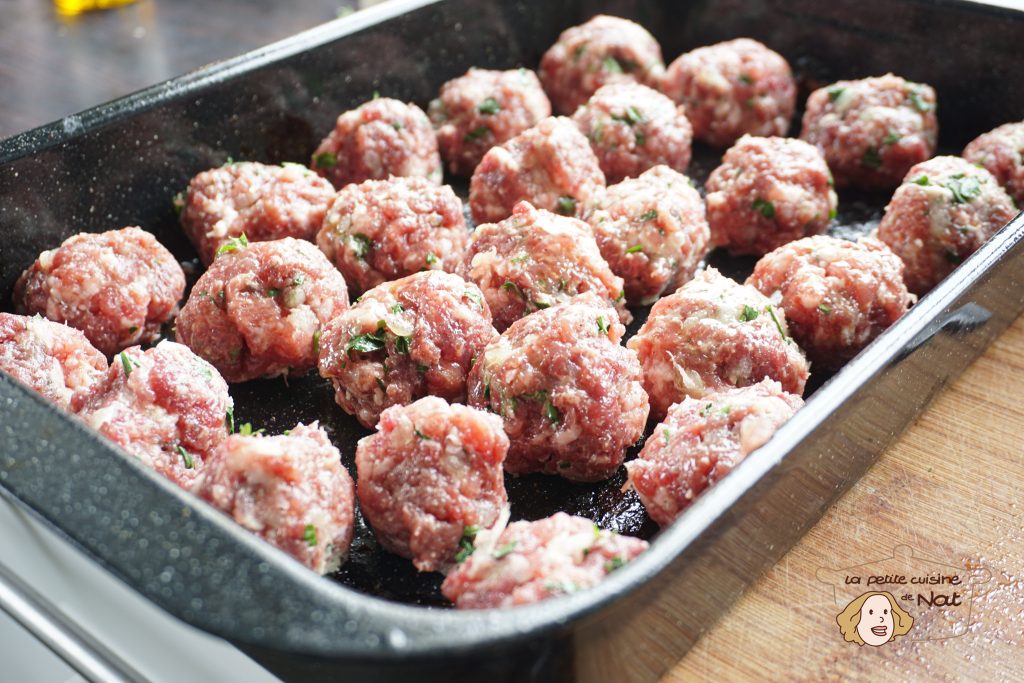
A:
[(948, 493)]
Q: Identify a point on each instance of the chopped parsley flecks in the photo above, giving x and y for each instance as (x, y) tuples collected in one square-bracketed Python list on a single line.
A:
[(763, 207), (602, 325), (233, 244), (749, 313), (871, 158), (919, 102), (505, 550), (489, 106), (778, 325), (965, 188), (611, 65), (430, 258), (360, 244), (365, 343), (567, 206), (744, 78), (325, 160), (636, 248), (316, 342), (309, 535), (615, 563), (128, 363), (650, 215), (921, 180), (835, 92), (825, 308), (476, 133), (186, 457), (466, 547)]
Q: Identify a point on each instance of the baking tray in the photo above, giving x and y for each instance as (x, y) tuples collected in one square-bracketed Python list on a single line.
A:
[(119, 164)]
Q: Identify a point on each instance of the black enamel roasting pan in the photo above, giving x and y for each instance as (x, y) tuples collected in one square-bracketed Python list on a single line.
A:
[(120, 164)]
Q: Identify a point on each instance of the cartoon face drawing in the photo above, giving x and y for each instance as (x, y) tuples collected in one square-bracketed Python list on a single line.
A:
[(875, 626), (874, 619)]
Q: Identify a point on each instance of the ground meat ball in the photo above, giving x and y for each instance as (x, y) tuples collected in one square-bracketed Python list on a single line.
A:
[(872, 130), (533, 561), (258, 310), (1001, 152), (632, 128), (838, 295), (382, 230), (767, 192), (570, 395), (943, 212), (733, 88), (55, 360), (713, 334), (652, 232), (482, 109), (118, 287), (551, 166), (431, 471), (535, 259), (167, 406), (291, 490), (256, 200), (604, 50), (404, 340), (379, 139), (702, 440)]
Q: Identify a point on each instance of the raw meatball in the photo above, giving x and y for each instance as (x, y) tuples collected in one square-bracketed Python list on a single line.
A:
[(872, 130), (713, 334), (482, 109), (603, 50), (382, 230), (432, 471), (632, 128), (259, 201), (118, 287), (379, 139), (702, 440), (652, 232), (569, 393), (943, 212), (535, 259), (404, 340), (290, 490), (166, 406), (837, 295), (55, 360), (259, 309), (533, 561), (551, 166), (767, 192), (1001, 152), (733, 88)]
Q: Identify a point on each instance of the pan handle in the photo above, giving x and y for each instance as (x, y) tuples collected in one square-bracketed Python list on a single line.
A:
[(60, 634)]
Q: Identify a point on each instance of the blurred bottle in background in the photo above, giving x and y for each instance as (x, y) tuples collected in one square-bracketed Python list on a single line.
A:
[(73, 7)]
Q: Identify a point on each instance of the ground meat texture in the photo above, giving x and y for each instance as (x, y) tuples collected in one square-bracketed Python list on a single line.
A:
[(550, 165), (533, 561), (55, 360), (291, 490), (570, 395), (713, 334), (837, 295), (652, 232), (602, 51), (432, 471), (404, 340), (872, 130), (767, 192), (535, 259), (702, 440), (166, 406), (632, 128), (382, 230), (733, 88), (117, 287), (259, 309), (482, 109), (943, 212), (1001, 152), (379, 139), (259, 201)]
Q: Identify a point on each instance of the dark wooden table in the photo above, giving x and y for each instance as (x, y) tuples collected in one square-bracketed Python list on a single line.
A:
[(52, 66)]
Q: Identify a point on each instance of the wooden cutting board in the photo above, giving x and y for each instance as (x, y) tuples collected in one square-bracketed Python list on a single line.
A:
[(944, 501)]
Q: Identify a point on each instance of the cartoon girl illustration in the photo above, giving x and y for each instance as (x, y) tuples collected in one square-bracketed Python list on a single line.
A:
[(874, 619)]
